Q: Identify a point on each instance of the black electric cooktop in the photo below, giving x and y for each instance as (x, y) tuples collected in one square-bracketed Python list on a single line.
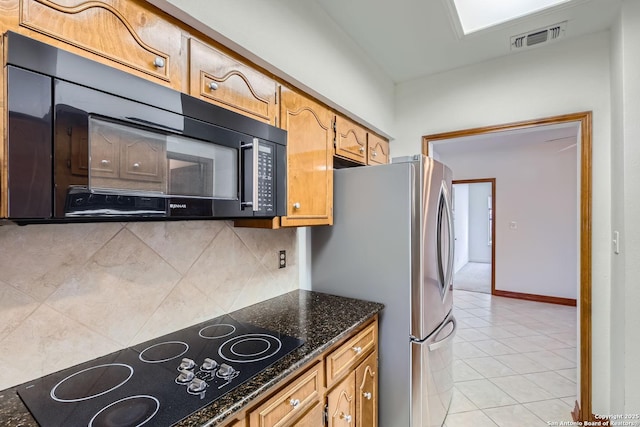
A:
[(159, 382)]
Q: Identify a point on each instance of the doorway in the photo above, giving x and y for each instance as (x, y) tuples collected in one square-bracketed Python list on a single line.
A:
[(583, 409), (474, 216)]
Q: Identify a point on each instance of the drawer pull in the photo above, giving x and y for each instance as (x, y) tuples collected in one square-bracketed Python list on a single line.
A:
[(374, 154), (136, 165), (296, 205), (104, 162), (213, 86), (345, 417), (158, 62), (362, 149), (367, 395), (358, 350), (294, 403)]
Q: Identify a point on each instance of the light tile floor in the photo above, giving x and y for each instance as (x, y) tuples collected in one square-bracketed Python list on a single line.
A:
[(514, 362)]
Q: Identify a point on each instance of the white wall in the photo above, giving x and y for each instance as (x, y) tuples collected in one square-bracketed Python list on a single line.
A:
[(536, 187), (479, 248), (299, 42), (461, 225), (564, 77), (625, 292)]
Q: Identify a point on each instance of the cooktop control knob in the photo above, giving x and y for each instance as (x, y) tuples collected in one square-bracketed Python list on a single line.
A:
[(209, 364), (185, 376), (225, 370), (197, 385), (187, 364)]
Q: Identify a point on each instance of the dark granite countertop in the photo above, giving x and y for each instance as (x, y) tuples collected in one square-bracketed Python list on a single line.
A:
[(319, 319)]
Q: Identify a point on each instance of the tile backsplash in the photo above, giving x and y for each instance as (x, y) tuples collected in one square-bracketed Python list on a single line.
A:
[(73, 292)]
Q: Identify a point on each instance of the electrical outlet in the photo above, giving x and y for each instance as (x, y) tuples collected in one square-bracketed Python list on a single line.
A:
[(283, 259)]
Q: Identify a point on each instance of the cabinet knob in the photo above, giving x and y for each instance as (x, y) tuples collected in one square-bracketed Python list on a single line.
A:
[(294, 403), (158, 62), (374, 154), (358, 350), (136, 165), (367, 395), (296, 205), (104, 162), (345, 417), (362, 149), (213, 86)]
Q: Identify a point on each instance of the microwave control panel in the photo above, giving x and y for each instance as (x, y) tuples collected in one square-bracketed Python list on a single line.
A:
[(266, 157)]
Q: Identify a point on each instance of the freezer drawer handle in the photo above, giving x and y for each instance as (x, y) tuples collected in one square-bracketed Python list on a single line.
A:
[(436, 345), (367, 395), (358, 350)]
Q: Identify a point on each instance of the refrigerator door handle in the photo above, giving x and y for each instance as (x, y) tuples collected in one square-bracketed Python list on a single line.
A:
[(445, 272), (446, 340), (449, 212)]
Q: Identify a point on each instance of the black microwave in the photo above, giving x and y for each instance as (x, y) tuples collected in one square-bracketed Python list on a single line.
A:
[(88, 142)]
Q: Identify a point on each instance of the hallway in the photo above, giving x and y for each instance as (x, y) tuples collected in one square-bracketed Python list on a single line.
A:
[(514, 362)]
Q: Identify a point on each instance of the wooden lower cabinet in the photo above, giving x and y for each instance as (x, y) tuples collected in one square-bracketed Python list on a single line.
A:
[(354, 401), (341, 403), (316, 398), (367, 392)]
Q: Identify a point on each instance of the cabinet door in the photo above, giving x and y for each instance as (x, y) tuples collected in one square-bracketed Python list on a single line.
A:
[(378, 150), (341, 403), (351, 140), (309, 160), (124, 32), (221, 80), (367, 392)]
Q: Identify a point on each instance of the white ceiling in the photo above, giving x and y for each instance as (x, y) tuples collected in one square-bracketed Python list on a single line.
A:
[(413, 38), (559, 137)]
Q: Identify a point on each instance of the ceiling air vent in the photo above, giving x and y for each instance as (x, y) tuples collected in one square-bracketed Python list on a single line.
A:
[(538, 37)]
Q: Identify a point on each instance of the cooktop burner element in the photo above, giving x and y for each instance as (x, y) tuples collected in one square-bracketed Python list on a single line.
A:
[(164, 351), (158, 382), (91, 382), (130, 411), (212, 332), (249, 348)]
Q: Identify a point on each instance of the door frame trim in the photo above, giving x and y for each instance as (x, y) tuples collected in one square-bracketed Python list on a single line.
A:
[(492, 181), (585, 120)]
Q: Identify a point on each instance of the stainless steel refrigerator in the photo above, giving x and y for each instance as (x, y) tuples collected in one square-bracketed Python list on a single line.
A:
[(392, 242)]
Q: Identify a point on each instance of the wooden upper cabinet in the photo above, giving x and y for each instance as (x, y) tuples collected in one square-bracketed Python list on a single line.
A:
[(378, 152), (309, 160), (123, 31), (351, 140), (222, 80)]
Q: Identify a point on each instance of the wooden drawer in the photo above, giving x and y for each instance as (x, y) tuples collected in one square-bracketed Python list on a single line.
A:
[(378, 153), (351, 353), (221, 80), (288, 404)]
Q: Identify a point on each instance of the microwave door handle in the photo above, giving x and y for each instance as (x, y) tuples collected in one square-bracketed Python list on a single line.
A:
[(254, 174)]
